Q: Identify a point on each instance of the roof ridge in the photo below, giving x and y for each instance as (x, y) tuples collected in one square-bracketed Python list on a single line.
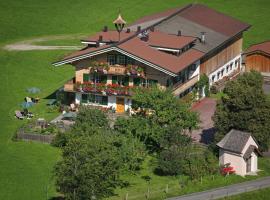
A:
[(153, 25)]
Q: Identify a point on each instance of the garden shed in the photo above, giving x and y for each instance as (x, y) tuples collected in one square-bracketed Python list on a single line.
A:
[(240, 150)]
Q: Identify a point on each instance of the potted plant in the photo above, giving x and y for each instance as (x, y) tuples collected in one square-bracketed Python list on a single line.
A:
[(140, 71), (133, 70), (128, 69)]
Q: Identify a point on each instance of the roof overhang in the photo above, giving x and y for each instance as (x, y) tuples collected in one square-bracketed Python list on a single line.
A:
[(114, 48)]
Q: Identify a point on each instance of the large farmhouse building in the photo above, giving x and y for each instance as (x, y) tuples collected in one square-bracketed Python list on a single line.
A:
[(170, 49)]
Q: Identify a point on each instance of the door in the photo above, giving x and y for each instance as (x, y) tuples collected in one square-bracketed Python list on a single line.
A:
[(120, 105), (248, 164)]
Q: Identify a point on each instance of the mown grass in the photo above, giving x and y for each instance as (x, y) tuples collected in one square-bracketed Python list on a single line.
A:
[(138, 186), (262, 194), (26, 167)]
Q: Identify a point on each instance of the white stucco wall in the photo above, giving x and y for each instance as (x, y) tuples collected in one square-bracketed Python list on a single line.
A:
[(249, 142), (237, 162), (197, 71), (225, 73), (112, 102), (254, 162)]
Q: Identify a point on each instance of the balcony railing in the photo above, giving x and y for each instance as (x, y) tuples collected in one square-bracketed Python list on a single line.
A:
[(178, 88), (104, 89), (130, 70)]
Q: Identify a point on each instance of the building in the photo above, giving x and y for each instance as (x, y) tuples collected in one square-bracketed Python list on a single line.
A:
[(240, 150), (170, 49), (257, 57)]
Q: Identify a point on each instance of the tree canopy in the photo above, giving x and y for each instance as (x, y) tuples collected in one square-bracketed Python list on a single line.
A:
[(244, 107), (160, 110), (89, 168)]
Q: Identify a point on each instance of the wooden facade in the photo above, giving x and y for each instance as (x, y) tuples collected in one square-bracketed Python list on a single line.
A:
[(221, 57), (258, 61)]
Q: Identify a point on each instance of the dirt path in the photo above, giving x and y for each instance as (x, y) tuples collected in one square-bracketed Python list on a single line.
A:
[(27, 45), (206, 109)]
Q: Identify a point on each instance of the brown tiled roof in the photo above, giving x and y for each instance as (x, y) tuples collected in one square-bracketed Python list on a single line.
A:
[(85, 51), (214, 20), (262, 47), (169, 62), (109, 36), (234, 141), (165, 40), (159, 15)]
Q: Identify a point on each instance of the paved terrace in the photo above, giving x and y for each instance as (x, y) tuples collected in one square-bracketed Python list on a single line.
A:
[(206, 109)]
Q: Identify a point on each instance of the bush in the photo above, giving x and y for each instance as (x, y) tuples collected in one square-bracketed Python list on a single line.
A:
[(213, 89), (61, 139)]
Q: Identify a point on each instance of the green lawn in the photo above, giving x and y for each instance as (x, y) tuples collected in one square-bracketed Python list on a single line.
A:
[(258, 195), (138, 186), (26, 167)]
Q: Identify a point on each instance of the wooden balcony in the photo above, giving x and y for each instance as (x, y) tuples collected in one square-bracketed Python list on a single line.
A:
[(179, 88), (119, 70)]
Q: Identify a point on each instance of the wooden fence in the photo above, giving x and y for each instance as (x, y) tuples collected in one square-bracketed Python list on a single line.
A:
[(35, 137)]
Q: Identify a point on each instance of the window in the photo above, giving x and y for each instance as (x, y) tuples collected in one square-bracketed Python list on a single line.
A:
[(114, 79), (103, 79), (120, 80), (121, 60), (111, 59), (222, 72), (91, 98), (152, 82), (86, 77), (125, 81), (227, 68), (103, 100), (169, 82), (130, 61), (231, 66), (84, 98), (97, 78), (213, 78), (218, 74), (137, 81)]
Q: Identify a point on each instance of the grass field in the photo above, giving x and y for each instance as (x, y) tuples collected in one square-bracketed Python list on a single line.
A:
[(263, 194), (26, 167)]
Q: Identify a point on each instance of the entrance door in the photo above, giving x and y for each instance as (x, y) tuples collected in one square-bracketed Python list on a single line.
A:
[(120, 105), (248, 164)]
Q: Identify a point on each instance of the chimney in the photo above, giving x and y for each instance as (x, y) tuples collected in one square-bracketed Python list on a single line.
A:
[(128, 30), (152, 28), (202, 37), (145, 38), (179, 33), (100, 38), (105, 29), (138, 29), (97, 44)]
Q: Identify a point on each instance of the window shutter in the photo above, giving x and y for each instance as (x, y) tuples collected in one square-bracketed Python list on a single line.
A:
[(114, 79), (126, 81), (104, 79), (85, 77)]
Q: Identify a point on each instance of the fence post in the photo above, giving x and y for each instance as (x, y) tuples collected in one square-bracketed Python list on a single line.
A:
[(167, 188), (126, 198)]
